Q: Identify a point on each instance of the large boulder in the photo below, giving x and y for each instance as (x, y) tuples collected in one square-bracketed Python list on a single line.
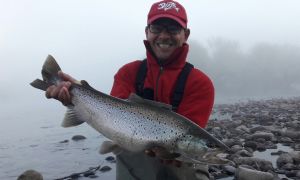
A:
[(242, 173), (30, 175)]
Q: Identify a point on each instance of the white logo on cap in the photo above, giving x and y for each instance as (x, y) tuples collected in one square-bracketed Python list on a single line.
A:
[(168, 6)]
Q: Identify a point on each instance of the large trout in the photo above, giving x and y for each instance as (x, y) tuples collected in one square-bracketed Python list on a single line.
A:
[(135, 124)]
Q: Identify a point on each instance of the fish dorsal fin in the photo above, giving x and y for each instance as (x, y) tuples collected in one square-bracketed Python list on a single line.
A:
[(50, 70), (71, 118), (137, 99)]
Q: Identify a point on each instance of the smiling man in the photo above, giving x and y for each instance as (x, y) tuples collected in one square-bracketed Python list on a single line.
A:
[(163, 76)]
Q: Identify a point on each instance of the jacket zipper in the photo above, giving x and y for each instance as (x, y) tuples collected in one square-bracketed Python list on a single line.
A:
[(157, 80)]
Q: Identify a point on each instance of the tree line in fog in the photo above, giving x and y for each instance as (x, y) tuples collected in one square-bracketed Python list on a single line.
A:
[(264, 70)]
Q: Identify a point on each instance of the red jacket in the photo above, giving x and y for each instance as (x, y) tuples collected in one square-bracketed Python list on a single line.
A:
[(198, 97)]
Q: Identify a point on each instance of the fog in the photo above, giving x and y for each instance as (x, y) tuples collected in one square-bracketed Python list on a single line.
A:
[(248, 48), (264, 71)]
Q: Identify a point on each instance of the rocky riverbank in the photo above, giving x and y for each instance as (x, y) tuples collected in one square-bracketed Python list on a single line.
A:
[(258, 126), (264, 136)]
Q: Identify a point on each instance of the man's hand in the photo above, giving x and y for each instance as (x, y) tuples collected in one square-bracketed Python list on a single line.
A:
[(61, 90), (156, 152)]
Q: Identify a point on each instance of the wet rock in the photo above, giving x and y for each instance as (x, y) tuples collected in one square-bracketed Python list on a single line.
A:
[(230, 170), (288, 166), (291, 134), (277, 153), (296, 147), (231, 142), (78, 137), (243, 128), (284, 159), (75, 175), (250, 174), (93, 176), (105, 169), (293, 174), (251, 144), (296, 156), (236, 148), (244, 153), (260, 140), (285, 140), (89, 173), (111, 159), (259, 164), (64, 141), (270, 145), (258, 128), (30, 175), (260, 147), (264, 135)]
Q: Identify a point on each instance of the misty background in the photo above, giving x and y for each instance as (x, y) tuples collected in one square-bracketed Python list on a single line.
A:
[(250, 49)]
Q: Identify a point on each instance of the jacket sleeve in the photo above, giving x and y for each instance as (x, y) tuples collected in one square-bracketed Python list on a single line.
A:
[(124, 80), (198, 98)]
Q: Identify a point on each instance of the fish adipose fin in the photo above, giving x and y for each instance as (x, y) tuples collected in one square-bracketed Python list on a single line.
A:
[(137, 99), (71, 118), (109, 146)]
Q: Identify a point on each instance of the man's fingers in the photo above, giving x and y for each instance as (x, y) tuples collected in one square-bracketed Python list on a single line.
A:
[(66, 77), (49, 90), (60, 92), (55, 91), (68, 95), (64, 96)]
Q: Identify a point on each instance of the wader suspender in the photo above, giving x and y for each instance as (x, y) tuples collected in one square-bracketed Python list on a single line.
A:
[(179, 86)]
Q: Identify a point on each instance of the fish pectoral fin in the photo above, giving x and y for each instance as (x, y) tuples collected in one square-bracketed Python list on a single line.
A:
[(71, 118), (109, 146)]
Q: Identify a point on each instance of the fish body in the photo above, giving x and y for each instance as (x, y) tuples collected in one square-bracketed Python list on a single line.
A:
[(134, 124)]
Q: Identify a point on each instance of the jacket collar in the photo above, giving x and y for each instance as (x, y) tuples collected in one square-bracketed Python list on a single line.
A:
[(176, 60)]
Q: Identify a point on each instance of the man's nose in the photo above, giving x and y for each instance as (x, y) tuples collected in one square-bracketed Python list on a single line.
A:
[(164, 33)]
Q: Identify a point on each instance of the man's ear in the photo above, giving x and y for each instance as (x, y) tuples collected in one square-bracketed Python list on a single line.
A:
[(146, 31), (187, 34)]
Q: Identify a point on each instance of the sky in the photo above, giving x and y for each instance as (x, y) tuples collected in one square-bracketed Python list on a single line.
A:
[(92, 39)]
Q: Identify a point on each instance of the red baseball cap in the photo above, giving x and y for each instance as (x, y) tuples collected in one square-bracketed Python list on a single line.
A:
[(168, 9)]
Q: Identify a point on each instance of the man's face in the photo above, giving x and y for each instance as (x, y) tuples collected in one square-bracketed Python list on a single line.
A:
[(164, 36)]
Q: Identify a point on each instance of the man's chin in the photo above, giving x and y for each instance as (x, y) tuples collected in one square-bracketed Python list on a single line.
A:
[(163, 56)]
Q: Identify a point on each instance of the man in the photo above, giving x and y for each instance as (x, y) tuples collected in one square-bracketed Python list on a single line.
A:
[(166, 52)]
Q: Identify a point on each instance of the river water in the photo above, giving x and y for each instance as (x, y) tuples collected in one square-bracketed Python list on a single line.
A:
[(30, 138)]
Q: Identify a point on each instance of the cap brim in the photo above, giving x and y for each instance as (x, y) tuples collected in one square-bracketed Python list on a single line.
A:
[(182, 23)]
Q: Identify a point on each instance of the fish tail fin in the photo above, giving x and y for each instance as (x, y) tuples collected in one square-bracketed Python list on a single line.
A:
[(50, 70), (50, 74), (39, 84)]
